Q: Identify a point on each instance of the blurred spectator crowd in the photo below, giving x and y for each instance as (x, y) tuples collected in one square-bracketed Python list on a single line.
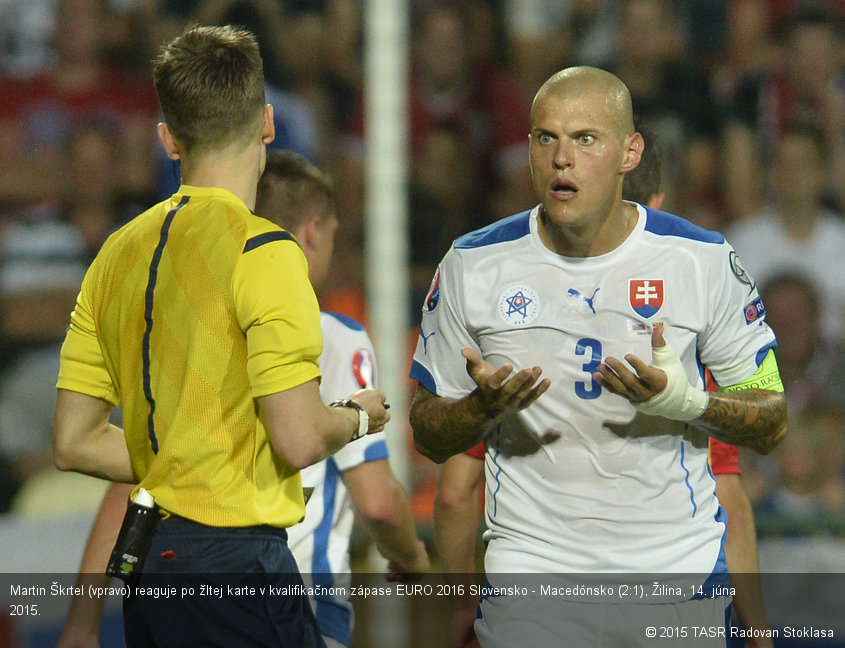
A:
[(746, 98)]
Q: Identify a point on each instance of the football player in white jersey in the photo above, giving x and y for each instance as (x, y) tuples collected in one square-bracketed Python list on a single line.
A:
[(297, 196), (547, 335), (456, 511)]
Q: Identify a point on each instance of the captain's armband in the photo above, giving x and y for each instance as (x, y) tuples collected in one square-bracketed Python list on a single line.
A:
[(767, 377)]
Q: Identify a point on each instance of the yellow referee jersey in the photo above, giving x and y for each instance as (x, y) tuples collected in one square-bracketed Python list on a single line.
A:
[(190, 311)]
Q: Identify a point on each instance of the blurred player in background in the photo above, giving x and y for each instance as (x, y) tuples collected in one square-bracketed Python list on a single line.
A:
[(298, 197), (357, 480), (198, 318)]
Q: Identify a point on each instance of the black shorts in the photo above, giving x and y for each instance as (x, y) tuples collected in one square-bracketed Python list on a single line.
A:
[(209, 586)]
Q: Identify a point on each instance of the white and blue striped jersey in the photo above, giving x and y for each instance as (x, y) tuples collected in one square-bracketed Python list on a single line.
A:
[(579, 482), (320, 543)]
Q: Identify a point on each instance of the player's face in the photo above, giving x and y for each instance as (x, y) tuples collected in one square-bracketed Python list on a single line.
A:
[(576, 156)]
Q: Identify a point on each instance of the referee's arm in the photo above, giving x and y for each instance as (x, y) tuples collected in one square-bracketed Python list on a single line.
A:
[(85, 441), (304, 430)]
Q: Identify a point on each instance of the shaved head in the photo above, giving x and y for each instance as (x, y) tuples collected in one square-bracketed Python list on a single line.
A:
[(582, 143), (581, 81)]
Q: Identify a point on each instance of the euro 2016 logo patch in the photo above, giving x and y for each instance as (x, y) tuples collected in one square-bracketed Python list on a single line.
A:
[(519, 305), (645, 296), (363, 368), (433, 296)]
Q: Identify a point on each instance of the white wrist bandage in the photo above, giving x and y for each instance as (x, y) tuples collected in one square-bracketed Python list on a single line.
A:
[(679, 401)]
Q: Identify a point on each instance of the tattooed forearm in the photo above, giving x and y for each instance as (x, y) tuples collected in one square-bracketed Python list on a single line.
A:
[(753, 418), (446, 426)]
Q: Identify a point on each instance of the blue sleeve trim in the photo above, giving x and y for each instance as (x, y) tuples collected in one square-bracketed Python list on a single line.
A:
[(423, 376), (762, 353), (348, 322), (507, 229), (267, 237), (666, 224), (376, 451)]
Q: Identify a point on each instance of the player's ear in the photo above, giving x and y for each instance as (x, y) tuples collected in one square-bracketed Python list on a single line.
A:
[(268, 126), (311, 233), (165, 136), (634, 146)]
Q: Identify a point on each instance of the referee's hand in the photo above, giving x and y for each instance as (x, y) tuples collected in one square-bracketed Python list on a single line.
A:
[(373, 402)]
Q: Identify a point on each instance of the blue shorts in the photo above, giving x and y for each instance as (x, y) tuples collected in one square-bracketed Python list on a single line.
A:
[(208, 586)]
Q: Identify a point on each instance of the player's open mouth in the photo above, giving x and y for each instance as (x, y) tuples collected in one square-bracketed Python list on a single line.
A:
[(563, 188)]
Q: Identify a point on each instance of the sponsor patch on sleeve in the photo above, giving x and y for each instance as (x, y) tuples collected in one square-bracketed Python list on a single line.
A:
[(754, 311)]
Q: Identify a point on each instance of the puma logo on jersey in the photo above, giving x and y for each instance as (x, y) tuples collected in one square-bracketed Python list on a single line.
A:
[(583, 298), (425, 339)]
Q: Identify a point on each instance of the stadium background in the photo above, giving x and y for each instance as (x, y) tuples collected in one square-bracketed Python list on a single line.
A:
[(718, 80)]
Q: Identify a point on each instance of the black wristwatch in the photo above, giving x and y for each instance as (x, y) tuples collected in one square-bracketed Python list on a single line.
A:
[(363, 417)]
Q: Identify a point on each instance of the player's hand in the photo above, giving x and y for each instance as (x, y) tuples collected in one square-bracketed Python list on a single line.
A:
[(500, 392), (639, 385), (373, 401), (659, 389), (406, 572)]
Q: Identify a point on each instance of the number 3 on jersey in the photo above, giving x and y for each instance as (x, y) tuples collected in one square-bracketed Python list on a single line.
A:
[(590, 348)]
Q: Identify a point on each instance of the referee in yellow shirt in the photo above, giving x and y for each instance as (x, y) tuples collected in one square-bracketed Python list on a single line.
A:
[(198, 318)]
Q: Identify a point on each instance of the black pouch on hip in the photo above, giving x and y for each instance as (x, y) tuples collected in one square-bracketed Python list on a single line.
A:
[(135, 537)]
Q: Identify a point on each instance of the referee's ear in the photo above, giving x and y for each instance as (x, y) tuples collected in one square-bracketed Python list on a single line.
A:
[(165, 136), (268, 125)]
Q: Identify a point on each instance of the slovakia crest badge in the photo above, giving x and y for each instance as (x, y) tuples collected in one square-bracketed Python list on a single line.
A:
[(645, 296)]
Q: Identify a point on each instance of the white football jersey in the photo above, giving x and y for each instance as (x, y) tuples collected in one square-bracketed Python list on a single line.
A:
[(578, 482), (320, 543)]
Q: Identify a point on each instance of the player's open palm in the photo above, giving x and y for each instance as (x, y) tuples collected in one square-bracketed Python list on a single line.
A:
[(499, 389)]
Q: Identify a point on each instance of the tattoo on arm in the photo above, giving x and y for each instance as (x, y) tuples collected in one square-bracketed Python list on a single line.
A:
[(753, 418), (446, 426)]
